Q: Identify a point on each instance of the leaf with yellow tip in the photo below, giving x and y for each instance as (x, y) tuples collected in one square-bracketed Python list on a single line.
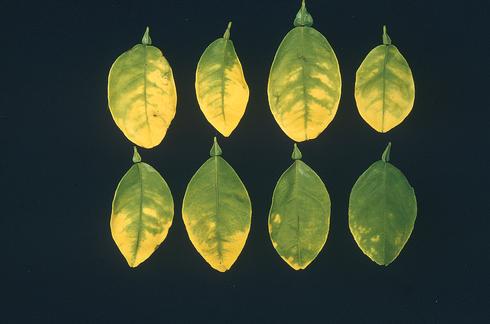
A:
[(299, 218), (217, 212), (142, 95), (384, 90), (304, 82), (142, 212), (221, 89), (382, 211)]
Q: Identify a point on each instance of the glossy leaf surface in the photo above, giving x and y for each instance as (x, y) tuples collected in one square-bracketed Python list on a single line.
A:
[(217, 212), (384, 90), (142, 95), (221, 89), (382, 211), (299, 218), (142, 212), (304, 83)]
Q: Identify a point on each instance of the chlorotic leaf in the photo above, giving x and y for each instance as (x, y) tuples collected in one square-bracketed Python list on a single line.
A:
[(221, 89), (384, 90), (217, 212), (299, 218), (304, 82), (142, 95), (142, 212), (382, 211)]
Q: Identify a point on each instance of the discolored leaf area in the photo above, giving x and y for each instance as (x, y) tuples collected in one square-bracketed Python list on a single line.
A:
[(142, 212), (217, 212), (142, 95), (221, 89), (304, 82), (384, 89), (382, 211), (299, 218)]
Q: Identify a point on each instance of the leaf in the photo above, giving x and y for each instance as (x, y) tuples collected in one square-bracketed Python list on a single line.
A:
[(384, 90), (221, 89), (304, 83), (142, 95), (217, 212), (142, 212), (382, 211), (299, 218)]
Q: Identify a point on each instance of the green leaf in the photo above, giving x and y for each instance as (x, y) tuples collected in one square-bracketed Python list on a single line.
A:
[(142, 95), (299, 218), (304, 83), (382, 211), (384, 89), (142, 212), (221, 89), (217, 212)]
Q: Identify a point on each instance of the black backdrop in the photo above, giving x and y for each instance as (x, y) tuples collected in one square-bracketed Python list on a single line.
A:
[(63, 157)]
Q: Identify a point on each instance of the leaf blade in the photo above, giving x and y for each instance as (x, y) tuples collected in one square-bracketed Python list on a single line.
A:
[(142, 213), (299, 218), (384, 88), (304, 84), (221, 89), (382, 212), (217, 213), (142, 95)]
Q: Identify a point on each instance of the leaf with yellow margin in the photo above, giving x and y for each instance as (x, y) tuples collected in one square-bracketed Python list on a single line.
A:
[(217, 212), (221, 89), (304, 82), (142, 95), (384, 90), (142, 212), (299, 218), (382, 211)]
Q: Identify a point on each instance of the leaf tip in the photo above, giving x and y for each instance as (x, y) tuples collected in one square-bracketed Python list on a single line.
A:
[(215, 149), (146, 40), (386, 154), (136, 155), (296, 155)]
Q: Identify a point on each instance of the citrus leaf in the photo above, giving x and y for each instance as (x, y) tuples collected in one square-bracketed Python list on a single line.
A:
[(384, 90), (142, 95), (142, 212), (382, 211), (304, 82), (299, 218), (217, 212), (221, 89)]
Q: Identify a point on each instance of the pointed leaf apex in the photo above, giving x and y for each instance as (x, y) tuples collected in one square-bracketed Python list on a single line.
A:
[(303, 17), (386, 38), (136, 155), (226, 35), (146, 40), (386, 154), (215, 149), (296, 153)]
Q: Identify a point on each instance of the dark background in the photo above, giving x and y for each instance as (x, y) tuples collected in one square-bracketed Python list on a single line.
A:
[(62, 157)]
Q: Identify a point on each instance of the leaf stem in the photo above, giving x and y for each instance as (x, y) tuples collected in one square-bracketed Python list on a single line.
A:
[(136, 155), (146, 40), (303, 17), (296, 153), (215, 149), (386, 154), (226, 35), (386, 38)]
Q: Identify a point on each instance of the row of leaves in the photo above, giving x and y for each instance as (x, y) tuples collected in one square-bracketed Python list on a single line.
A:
[(217, 212), (304, 92)]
